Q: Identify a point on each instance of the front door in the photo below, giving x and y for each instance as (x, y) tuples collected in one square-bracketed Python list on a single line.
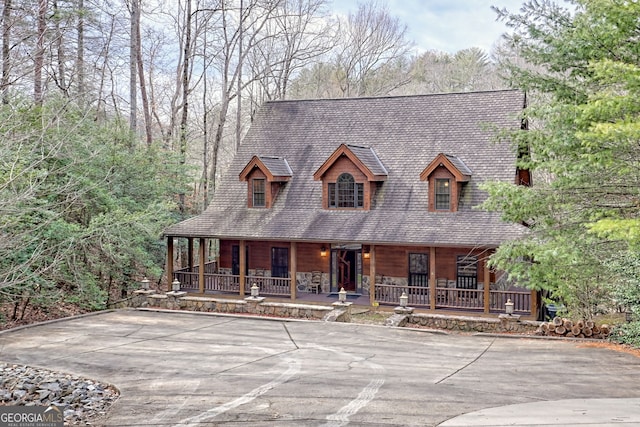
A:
[(345, 269)]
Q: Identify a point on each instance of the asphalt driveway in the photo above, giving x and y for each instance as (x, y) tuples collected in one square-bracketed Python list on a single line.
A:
[(177, 368)]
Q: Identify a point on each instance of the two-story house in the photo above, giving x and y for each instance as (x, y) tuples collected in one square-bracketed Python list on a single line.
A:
[(378, 196)]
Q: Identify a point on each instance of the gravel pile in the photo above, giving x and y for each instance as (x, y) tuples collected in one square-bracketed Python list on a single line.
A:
[(83, 400)]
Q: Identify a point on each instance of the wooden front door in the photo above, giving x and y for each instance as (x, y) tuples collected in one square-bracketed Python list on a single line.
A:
[(345, 269)]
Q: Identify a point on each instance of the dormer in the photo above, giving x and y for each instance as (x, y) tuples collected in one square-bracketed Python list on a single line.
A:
[(446, 176), (350, 177), (265, 176)]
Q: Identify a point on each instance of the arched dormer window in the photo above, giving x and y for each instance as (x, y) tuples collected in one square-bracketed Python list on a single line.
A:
[(346, 193), (350, 178)]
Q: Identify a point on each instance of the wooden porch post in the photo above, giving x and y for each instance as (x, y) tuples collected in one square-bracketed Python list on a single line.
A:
[(190, 253), (169, 262), (432, 278), (294, 269), (372, 274), (243, 265), (487, 285), (534, 304), (201, 261)]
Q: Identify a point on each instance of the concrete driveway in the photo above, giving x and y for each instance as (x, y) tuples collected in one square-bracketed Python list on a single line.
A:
[(177, 368)]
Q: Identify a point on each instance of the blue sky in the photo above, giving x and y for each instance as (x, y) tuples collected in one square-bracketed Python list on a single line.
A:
[(445, 25)]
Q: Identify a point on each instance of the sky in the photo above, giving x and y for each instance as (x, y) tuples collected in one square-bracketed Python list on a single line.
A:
[(444, 25)]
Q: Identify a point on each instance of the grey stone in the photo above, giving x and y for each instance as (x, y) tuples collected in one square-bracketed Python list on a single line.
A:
[(81, 398)]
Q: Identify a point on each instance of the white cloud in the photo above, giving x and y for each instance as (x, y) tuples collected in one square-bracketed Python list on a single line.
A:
[(446, 25)]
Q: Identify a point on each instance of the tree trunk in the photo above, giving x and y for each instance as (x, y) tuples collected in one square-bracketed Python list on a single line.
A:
[(6, 39), (61, 79), (39, 54), (133, 62), (185, 96), (143, 86), (80, 53), (239, 81)]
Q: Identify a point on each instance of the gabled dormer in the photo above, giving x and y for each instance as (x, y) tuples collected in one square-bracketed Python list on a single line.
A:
[(350, 177), (265, 176), (447, 176)]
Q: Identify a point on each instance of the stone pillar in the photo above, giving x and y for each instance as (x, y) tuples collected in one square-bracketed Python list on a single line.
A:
[(344, 306), (140, 297), (509, 322), (253, 303), (173, 299)]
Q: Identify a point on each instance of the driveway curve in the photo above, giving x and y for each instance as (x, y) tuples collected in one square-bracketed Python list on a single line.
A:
[(175, 368)]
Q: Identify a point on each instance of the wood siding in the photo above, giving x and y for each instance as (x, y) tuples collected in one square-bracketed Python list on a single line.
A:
[(443, 173), (345, 165), (392, 261)]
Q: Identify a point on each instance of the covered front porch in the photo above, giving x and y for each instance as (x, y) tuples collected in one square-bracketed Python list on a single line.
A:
[(448, 282)]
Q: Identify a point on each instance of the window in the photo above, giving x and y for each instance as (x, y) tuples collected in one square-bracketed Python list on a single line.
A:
[(346, 193), (418, 269), (259, 197), (467, 269), (235, 260), (280, 262), (443, 195)]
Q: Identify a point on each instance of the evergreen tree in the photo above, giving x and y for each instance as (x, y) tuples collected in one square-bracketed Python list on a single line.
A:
[(583, 81), (81, 213)]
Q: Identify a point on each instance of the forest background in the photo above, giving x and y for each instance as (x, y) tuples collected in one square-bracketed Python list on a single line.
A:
[(117, 117)]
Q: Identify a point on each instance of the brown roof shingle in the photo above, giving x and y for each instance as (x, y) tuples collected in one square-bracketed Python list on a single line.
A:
[(405, 134)]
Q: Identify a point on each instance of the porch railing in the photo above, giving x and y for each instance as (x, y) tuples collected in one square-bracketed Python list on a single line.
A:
[(216, 282), (221, 282), (418, 296), (454, 298), (275, 286)]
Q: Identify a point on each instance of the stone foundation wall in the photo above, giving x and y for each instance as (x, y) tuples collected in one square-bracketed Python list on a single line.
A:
[(503, 323), (180, 301), (337, 312)]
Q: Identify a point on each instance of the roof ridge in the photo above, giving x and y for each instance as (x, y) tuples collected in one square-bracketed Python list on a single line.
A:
[(417, 95)]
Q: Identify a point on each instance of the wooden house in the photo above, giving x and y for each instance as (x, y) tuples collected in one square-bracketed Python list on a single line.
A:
[(378, 196)]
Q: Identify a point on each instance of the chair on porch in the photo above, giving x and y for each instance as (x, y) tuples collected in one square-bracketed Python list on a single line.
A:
[(441, 292), (316, 282)]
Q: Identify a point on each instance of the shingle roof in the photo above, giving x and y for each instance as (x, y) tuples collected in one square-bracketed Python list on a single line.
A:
[(276, 165), (369, 158), (405, 134), (458, 163)]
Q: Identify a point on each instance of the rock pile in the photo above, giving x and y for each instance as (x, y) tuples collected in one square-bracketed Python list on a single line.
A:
[(81, 398)]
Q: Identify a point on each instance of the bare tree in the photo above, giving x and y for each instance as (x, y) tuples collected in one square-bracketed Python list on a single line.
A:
[(134, 11), (39, 51), (143, 86), (372, 38), (302, 33), (80, 71), (6, 58)]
